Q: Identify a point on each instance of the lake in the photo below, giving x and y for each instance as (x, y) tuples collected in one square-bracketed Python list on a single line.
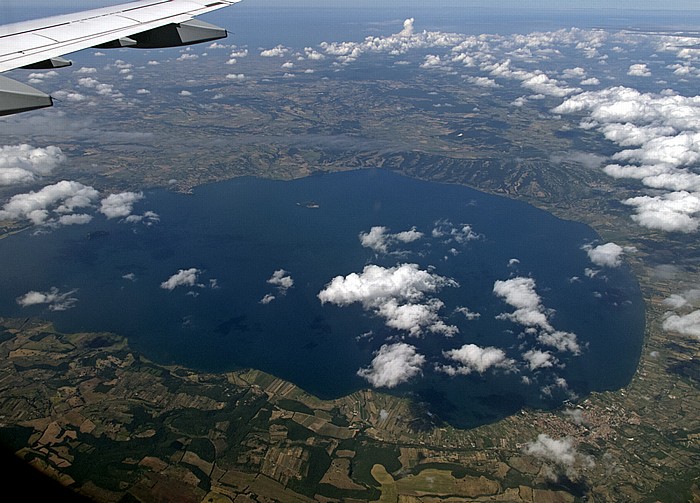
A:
[(237, 244)]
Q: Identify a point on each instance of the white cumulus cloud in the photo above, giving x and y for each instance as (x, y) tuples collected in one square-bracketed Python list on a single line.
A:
[(639, 70), (184, 277), (61, 199), (119, 205), (521, 294), (537, 359), (277, 51), (282, 280), (380, 239), (686, 324), (472, 358), (24, 163), (660, 137), (392, 365), (398, 294), (606, 255)]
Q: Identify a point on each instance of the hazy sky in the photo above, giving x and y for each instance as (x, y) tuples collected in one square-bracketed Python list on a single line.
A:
[(534, 4), (546, 4)]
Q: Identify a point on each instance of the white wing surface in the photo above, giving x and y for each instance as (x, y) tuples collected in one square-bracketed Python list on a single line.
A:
[(39, 43)]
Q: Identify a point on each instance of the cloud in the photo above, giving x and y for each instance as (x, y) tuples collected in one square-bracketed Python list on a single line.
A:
[(267, 299), (239, 53), (562, 341), (313, 54), (415, 318), (61, 198), (148, 218), (536, 81), (542, 84), (520, 293), (468, 314), (119, 205), (431, 61), (576, 416), (687, 324), (400, 43), (639, 70), (448, 232), (673, 212), (559, 383), (392, 365), (537, 359), (99, 87), (666, 271), (278, 51), (408, 28), (75, 219), (572, 73), (590, 273), (678, 300), (184, 277), (376, 284), (282, 280), (483, 82), (660, 137), (398, 294), (69, 96), (379, 239), (37, 78), (559, 455), (123, 65), (24, 163), (473, 358), (408, 236), (607, 255), (56, 300)]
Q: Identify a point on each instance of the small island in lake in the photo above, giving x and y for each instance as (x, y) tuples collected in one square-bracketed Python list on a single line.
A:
[(309, 204)]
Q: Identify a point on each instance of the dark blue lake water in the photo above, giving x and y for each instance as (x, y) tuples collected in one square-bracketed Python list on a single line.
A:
[(238, 233)]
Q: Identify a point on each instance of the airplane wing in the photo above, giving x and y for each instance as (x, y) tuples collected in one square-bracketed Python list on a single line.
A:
[(39, 43)]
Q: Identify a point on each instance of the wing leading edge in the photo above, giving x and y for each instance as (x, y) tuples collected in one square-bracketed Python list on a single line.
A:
[(142, 24)]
